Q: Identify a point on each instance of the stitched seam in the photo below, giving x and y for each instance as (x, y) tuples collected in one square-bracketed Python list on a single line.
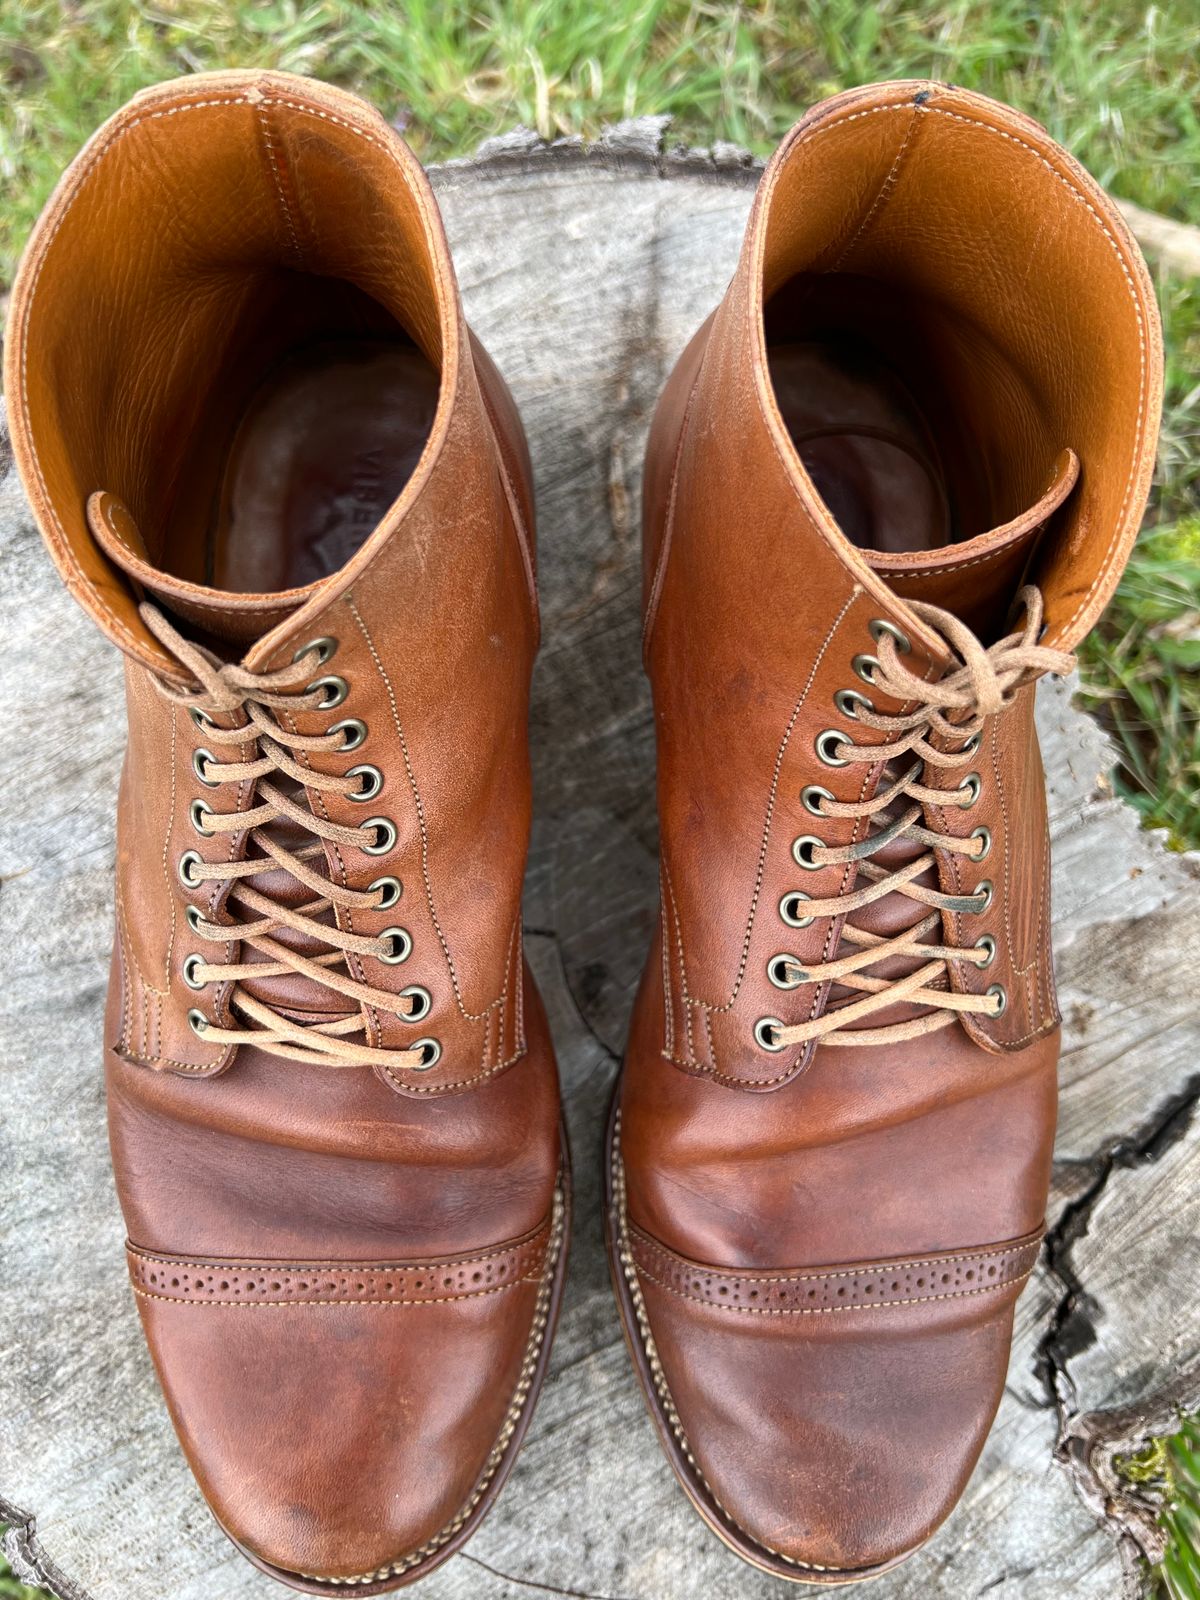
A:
[(301, 1305), (870, 1268), (826, 1311), (275, 162), (884, 195), (319, 1267)]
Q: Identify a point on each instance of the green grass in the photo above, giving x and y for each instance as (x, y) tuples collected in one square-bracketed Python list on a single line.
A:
[(1168, 1470), (1116, 81), (12, 1589)]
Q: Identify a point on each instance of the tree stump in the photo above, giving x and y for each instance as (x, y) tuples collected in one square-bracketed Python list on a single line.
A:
[(584, 270)]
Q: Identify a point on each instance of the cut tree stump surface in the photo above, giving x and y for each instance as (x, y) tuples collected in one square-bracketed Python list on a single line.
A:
[(584, 271)]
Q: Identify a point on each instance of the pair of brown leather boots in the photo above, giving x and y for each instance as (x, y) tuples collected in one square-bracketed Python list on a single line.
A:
[(891, 482)]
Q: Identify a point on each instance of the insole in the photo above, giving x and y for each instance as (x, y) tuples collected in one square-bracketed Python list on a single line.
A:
[(323, 450), (865, 445)]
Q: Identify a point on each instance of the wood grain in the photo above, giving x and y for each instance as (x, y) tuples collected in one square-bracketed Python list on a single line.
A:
[(584, 270)]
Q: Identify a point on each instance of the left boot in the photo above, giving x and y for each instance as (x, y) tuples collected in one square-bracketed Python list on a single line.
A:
[(892, 481)]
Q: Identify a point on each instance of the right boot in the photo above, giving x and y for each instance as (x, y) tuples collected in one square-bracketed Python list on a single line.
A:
[(272, 463)]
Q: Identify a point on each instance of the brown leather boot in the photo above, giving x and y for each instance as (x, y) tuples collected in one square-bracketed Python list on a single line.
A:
[(892, 481), (274, 466)]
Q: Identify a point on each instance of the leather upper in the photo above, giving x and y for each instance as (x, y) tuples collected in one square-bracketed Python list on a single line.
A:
[(823, 1435), (356, 1433)]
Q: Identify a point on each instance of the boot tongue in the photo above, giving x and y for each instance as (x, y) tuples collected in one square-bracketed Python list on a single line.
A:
[(223, 617), (978, 578), (976, 581), (226, 619)]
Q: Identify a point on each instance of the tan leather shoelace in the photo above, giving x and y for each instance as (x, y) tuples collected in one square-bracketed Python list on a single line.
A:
[(949, 713), (248, 700)]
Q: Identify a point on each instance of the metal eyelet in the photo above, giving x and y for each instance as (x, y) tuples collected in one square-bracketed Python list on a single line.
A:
[(431, 1054), (423, 999), (972, 744), (998, 992), (390, 888), (333, 691), (188, 860), (385, 836), (970, 786), (779, 974), (198, 761), (828, 743), (865, 667), (191, 915), (987, 944), (811, 794), (847, 702), (802, 849), (372, 783), (881, 626), (198, 1023), (401, 946), (201, 718), (788, 909), (189, 971), (765, 1030), (323, 648), (198, 811), (355, 731), (984, 888), (984, 835)]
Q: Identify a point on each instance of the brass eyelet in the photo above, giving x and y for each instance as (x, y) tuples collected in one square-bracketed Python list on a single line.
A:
[(972, 744), (198, 811), (779, 974), (372, 783), (802, 849), (198, 762), (191, 915), (827, 745), (865, 667), (811, 795), (881, 626), (201, 718), (188, 860), (765, 1031), (847, 702), (323, 648), (970, 786), (401, 946), (385, 836), (390, 888), (198, 1023), (999, 993), (789, 912), (333, 691), (189, 971), (422, 999), (987, 945), (354, 729), (984, 835), (431, 1054), (983, 888)]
